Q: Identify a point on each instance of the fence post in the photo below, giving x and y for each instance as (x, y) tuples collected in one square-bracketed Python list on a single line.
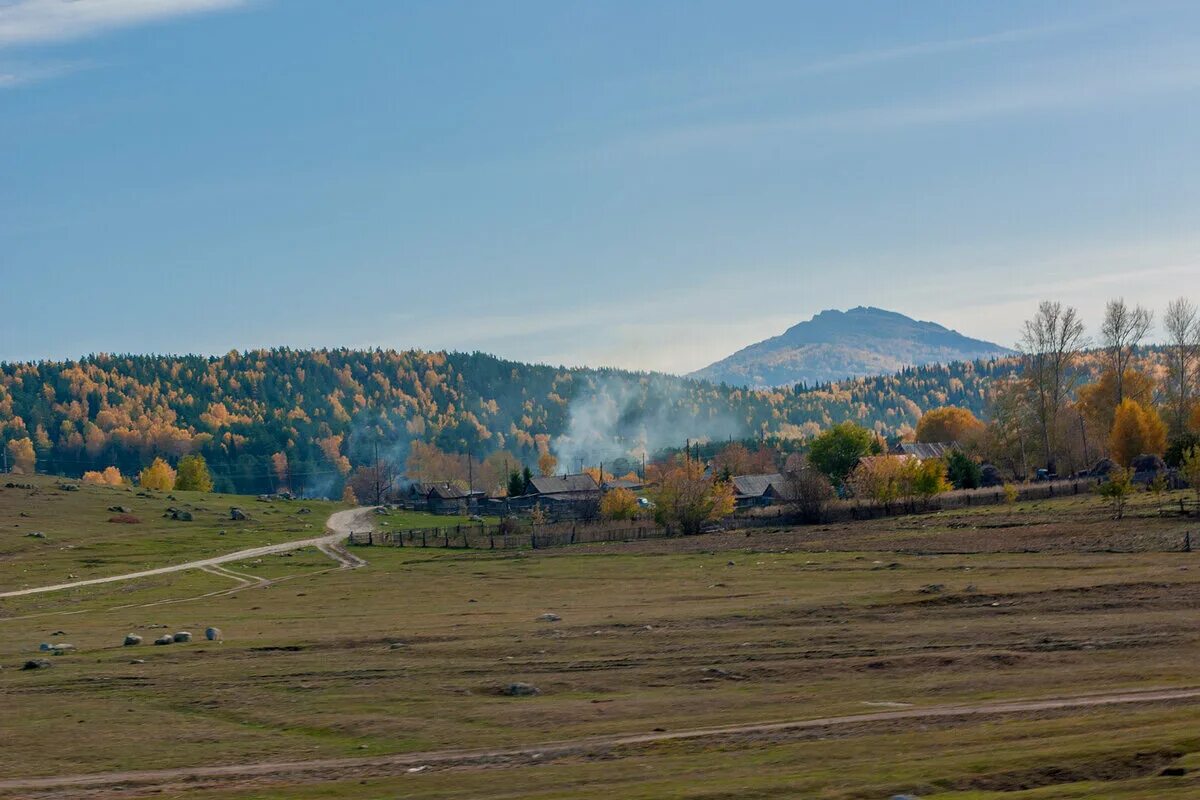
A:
[(370, 538), (572, 531), (423, 543)]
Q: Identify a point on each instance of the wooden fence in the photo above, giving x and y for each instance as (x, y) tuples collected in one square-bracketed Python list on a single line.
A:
[(480, 536)]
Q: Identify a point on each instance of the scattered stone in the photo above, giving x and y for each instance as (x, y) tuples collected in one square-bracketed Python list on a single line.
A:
[(44, 647), (971, 588), (59, 633), (11, 485), (132, 640), (730, 564), (397, 646), (166, 638), (178, 514), (138, 661), (183, 636), (304, 510), (63, 647), (548, 617), (238, 515), (521, 690), (120, 509), (932, 588), (213, 634), (414, 770), (68, 487), (36, 534), (37, 663)]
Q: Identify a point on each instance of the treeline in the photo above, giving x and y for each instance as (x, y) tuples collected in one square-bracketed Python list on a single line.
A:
[(304, 419)]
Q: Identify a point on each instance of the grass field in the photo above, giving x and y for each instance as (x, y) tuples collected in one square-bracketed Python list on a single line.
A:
[(408, 655)]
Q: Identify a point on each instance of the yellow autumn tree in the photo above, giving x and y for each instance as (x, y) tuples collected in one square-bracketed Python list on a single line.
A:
[(21, 457), (619, 504), (158, 475), (686, 499), (279, 463), (547, 463), (348, 496), (1136, 430)]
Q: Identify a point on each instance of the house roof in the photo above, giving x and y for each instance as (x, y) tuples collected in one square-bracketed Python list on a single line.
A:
[(924, 450), (564, 484), (446, 491), (756, 485), (619, 483)]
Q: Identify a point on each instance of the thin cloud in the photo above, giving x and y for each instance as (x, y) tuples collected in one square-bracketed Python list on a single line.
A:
[(34, 22), (13, 76)]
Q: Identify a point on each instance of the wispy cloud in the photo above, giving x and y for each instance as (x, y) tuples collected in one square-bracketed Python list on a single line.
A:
[(1056, 89), (26, 24), (32, 22), (14, 75)]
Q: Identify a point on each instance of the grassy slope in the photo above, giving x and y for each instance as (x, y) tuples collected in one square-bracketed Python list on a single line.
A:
[(804, 633)]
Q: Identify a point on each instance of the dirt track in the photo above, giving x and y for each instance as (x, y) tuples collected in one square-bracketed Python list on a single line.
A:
[(337, 528), (339, 767)]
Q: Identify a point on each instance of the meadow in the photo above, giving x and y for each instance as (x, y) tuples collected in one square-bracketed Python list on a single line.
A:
[(412, 653)]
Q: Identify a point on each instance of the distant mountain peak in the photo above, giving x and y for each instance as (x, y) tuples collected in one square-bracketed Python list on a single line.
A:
[(835, 344)]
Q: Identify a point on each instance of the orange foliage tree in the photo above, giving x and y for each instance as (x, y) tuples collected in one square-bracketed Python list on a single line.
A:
[(1136, 430), (547, 463), (109, 476), (948, 424), (686, 499), (21, 457)]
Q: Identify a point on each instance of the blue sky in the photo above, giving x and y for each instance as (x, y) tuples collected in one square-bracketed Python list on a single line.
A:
[(649, 185)]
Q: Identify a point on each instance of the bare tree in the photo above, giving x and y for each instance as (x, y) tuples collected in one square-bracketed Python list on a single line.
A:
[(808, 492), (1182, 325), (373, 484), (1050, 343), (1123, 329)]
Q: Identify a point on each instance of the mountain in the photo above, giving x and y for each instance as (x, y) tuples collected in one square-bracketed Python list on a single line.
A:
[(835, 345)]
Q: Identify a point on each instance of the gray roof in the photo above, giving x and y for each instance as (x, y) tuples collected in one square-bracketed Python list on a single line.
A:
[(564, 484), (756, 485), (924, 450)]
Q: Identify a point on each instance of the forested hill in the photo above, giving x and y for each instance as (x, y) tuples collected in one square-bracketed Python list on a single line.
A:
[(306, 417)]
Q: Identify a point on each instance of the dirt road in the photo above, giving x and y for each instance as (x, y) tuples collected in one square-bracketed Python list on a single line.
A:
[(332, 768), (337, 528)]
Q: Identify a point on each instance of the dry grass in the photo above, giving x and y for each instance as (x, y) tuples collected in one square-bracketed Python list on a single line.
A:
[(407, 654)]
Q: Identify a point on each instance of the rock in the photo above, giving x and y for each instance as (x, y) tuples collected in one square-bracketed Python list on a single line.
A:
[(238, 515), (132, 640), (932, 588), (59, 633), (138, 661), (62, 647), (183, 636), (178, 514), (68, 487), (548, 617), (44, 647), (166, 638), (1173, 772), (37, 663), (304, 511), (212, 634), (521, 690), (120, 509), (36, 534)]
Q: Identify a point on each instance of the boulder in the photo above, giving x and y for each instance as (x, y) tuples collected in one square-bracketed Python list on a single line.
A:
[(238, 515), (132, 640), (183, 636), (212, 634), (120, 509), (166, 638), (304, 511), (521, 690), (178, 514), (37, 663), (36, 534)]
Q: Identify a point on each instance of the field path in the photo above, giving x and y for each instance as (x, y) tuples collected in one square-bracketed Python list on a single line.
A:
[(334, 768), (337, 528)]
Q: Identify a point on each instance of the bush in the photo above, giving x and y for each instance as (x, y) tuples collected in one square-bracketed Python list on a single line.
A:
[(963, 472), (619, 504), (1116, 490)]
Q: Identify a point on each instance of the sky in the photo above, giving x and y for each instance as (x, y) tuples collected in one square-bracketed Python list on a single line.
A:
[(644, 185)]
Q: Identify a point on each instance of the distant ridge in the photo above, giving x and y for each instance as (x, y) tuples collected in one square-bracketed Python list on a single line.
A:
[(846, 344)]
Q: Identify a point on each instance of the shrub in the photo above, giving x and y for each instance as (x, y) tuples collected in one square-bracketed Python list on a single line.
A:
[(1116, 490), (809, 492), (619, 504)]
